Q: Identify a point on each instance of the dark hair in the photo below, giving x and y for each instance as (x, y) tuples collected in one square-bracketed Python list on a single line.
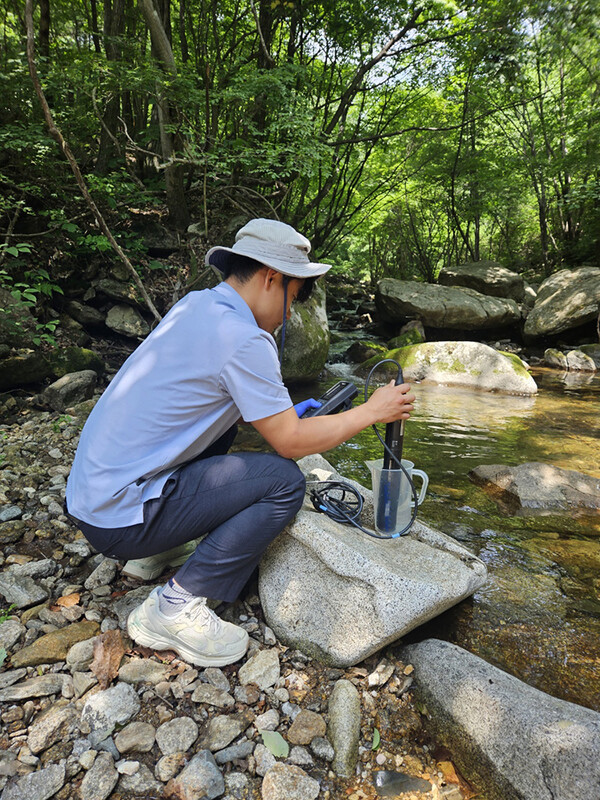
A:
[(242, 268)]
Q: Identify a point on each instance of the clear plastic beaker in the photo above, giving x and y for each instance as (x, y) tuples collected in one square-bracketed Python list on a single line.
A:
[(393, 500)]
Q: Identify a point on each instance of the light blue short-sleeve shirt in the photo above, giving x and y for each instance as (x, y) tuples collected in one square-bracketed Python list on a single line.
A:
[(203, 367)]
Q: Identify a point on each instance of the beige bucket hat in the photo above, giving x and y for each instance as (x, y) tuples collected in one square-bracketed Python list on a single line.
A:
[(272, 243)]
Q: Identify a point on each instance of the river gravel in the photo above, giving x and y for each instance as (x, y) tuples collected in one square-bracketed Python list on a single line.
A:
[(160, 727)]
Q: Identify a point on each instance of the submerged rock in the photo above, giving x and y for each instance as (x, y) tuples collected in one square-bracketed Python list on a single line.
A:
[(537, 487), (471, 364), (364, 592), (510, 738)]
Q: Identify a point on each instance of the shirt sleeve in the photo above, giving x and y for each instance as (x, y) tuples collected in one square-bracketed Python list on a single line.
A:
[(252, 378)]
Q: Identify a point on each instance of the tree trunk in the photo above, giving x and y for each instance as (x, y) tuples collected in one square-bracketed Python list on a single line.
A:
[(44, 38), (167, 117), (114, 27)]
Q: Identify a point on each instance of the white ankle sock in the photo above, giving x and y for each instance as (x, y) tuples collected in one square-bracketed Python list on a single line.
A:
[(172, 598)]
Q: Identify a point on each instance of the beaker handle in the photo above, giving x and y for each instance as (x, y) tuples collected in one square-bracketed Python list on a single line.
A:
[(425, 478)]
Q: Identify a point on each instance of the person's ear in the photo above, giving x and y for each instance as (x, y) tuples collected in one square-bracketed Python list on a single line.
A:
[(270, 280)]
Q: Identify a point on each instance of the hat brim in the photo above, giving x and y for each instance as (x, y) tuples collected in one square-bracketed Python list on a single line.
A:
[(219, 256)]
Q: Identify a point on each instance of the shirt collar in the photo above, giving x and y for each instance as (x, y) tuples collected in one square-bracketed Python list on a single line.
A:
[(236, 300)]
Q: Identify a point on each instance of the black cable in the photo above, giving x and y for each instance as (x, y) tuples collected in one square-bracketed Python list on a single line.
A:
[(338, 508)]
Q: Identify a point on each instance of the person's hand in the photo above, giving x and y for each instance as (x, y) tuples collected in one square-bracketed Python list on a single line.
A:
[(302, 408), (391, 402)]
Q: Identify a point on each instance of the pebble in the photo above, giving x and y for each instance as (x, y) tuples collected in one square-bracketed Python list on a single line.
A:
[(262, 669), (8, 513), (106, 709), (267, 721), (10, 633), (200, 778), (289, 782), (102, 575), (38, 785), (140, 783), (168, 766), (177, 735), (305, 727), (100, 779), (137, 737), (41, 686), (222, 730), (209, 694), (216, 677), (240, 750), (56, 725), (143, 670), (264, 759)]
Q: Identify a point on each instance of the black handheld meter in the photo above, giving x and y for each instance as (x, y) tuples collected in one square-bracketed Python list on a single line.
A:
[(338, 398)]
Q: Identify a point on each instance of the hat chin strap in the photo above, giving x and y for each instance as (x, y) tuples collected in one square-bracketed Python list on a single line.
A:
[(285, 289)]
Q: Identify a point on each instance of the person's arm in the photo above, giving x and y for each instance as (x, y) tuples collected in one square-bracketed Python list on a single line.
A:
[(292, 437)]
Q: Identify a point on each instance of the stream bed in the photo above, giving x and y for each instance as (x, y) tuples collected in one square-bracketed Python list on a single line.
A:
[(538, 615)]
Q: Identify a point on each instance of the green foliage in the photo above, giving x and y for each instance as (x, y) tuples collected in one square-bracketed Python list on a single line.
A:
[(6, 613), (376, 739), (275, 744)]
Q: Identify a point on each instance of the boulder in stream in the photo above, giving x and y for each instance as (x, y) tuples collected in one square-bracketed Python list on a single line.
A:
[(506, 736), (565, 300), (443, 306), (462, 364), (487, 277), (339, 595), (306, 339), (534, 487)]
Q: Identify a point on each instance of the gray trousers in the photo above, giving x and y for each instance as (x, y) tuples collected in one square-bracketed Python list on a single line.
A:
[(242, 501)]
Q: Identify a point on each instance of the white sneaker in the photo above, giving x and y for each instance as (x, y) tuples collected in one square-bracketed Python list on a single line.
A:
[(149, 568), (196, 633)]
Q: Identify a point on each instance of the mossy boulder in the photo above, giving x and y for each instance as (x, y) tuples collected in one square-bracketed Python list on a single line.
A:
[(464, 364), (23, 368), (75, 359), (362, 350), (306, 339), (412, 336)]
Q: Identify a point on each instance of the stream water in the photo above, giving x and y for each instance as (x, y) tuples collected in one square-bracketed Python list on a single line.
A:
[(538, 615)]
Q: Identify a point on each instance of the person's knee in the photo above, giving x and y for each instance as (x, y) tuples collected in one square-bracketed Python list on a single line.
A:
[(295, 482)]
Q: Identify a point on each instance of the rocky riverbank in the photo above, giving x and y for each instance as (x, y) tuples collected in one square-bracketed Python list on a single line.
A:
[(86, 714)]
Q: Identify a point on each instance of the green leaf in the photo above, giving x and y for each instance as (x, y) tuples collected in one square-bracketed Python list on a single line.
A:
[(376, 739), (13, 251), (275, 743)]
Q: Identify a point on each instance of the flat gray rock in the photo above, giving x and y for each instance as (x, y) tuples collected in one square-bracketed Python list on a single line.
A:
[(288, 782), (100, 779), (339, 595), (41, 686), (107, 709), (443, 306), (200, 778), (177, 735), (487, 277), (506, 736), (534, 487), (262, 669), (38, 785)]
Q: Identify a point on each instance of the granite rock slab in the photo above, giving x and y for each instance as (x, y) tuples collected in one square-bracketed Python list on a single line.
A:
[(506, 736), (339, 595)]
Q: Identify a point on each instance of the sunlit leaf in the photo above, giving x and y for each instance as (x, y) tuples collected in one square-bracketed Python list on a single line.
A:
[(275, 744)]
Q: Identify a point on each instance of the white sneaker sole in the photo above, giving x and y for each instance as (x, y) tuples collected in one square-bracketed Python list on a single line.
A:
[(135, 569), (147, 638)]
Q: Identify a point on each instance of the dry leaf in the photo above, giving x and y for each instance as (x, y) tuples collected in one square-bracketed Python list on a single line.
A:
[(447, 768), (108, 652), (68, 600)]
